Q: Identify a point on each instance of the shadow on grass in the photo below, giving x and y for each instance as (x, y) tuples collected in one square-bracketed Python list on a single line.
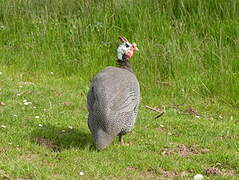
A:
[(58, 139)]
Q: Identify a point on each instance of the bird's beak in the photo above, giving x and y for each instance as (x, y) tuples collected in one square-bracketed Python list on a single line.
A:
[(134, 47)]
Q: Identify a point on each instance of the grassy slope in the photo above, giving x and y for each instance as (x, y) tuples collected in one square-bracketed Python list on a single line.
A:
[(189, 55)]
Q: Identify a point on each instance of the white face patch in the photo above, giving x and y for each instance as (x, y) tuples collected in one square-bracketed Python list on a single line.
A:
[(123, 48)]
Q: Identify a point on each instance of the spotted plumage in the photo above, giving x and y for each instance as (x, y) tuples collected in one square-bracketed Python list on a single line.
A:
[(113, 99)]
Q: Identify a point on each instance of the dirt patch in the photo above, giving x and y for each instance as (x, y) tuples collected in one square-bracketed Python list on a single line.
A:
[(217, 171), (213, 171), (29, 157), (47, 143), (187, 151), (183, 150), (172, 175), (150, 173), (3, 150), (154, 173)]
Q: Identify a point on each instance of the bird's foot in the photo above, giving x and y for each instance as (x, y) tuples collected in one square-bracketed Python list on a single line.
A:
[(121, 142)]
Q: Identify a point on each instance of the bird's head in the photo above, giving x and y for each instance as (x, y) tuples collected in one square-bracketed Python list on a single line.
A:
[(125, 50)]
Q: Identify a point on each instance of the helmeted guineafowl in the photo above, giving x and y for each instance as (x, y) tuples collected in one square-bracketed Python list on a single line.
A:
[(113, 99)]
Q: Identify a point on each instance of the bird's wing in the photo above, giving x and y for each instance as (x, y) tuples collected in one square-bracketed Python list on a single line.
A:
[(126, 98), (116, 89)]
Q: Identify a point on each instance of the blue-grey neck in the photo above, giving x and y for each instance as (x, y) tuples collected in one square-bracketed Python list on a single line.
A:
[(124, 64)]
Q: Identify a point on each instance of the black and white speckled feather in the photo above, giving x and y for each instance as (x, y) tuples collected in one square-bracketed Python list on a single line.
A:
[(113, 102), (113, 99)]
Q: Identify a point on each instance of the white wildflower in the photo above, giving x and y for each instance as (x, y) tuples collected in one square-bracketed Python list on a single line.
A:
[(18, 94), (52, 72), (70, 127), (20, 86), (3, 126), (197, 116), (40, 125), (15, 115), (37, 117), (2, 27), (220, 117), (26, 103), (81, 173), (198, 177)]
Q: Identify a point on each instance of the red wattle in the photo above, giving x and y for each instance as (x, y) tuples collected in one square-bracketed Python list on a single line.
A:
[(130, 54)]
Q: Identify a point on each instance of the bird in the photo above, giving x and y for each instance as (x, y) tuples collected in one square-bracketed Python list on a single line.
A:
[(113, 99)]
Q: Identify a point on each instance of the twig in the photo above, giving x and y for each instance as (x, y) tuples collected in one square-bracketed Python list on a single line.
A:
[(152, 109), (159, 115), (156, 110)]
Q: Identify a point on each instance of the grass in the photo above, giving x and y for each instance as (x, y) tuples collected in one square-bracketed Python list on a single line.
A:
[(50, 50)]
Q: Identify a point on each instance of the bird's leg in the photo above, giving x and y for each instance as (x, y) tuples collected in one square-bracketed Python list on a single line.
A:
[(121, 139)]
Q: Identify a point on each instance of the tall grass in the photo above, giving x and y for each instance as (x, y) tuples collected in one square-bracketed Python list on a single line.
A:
[(50, 49), (190, 45)]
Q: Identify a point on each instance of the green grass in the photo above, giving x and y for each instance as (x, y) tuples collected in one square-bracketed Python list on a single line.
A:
[(49, 52)]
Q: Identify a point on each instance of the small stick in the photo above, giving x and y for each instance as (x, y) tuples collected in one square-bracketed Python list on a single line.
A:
[(156, 110), (159, 115), (152, 109)]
